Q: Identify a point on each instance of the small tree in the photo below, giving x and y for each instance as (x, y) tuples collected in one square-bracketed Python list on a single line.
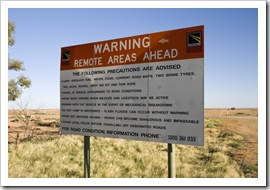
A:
[(25, 119), (15, 86)]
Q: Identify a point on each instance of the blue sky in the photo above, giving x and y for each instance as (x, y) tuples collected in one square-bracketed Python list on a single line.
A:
[(231, 46)]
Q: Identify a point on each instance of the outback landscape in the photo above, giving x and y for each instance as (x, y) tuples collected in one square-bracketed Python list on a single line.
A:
[(37, 149)]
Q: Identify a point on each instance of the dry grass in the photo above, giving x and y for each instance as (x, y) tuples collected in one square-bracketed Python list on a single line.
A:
[(62, 157)]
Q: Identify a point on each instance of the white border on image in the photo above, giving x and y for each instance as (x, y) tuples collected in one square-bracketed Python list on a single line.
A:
[(260, 181)]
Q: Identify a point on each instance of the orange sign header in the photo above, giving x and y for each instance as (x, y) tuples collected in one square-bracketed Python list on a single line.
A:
[(187, 43)]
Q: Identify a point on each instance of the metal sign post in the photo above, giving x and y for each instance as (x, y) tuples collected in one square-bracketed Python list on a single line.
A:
[(86, 157), (171, 160)]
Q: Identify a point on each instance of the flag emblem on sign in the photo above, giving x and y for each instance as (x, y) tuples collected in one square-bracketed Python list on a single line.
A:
[(194, 39), (65, 56)]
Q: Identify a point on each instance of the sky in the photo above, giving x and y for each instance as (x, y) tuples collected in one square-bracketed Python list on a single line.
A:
[(230, 57)]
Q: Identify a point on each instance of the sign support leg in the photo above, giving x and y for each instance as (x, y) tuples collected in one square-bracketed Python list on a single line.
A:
[(86, 157), (171, 160)]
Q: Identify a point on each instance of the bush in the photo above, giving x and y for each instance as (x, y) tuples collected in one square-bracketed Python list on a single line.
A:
[(249, 170), (214, 123), (47, 124)]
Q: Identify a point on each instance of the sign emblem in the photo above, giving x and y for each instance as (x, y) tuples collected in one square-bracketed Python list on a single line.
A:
[(163, 41), (194, 39), (66, 56)]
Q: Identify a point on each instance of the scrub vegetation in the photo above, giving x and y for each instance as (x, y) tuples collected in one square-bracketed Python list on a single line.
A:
[(62, 157)]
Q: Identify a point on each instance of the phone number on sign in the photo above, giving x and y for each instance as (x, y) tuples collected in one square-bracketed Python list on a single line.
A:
[(182, 138)]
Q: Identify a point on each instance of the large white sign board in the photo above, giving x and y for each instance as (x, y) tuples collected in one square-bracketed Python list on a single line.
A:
[(148, 87)]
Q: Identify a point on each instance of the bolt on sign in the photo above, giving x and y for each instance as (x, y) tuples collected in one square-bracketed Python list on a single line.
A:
[(148, 87)]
